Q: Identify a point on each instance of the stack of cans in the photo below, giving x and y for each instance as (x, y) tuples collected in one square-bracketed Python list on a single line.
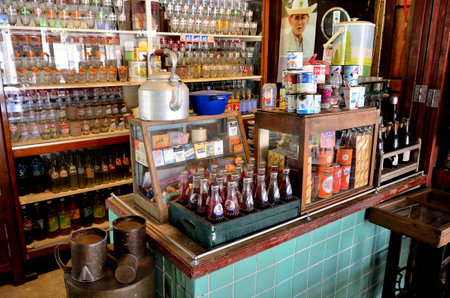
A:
[(299, 86)]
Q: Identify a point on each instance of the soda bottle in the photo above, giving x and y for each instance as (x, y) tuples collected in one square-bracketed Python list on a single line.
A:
[(21, 168), (214, 169), (215, 209), (52, 221), (261, 200), (235, 178), (112, 168), (252, 185), (195, 192), (38, 222), (220, 181), (89, 172), (73, 174), (119, 166), (203, 197), (251, 161), (285, 186), (105, 170), (212, 180), (240, 176), (201, 172), (274, 192), (75, 217), (27, 225), (81, 172), (37, 174), (231, 206), (64, 174), (247, 196), (54, 177), (184, 191), (86, 211), (97, 170), (99, 208), (64, 218), (126, 164)]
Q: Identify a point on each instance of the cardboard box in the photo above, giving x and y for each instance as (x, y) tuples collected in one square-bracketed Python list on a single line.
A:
[(160, 141)]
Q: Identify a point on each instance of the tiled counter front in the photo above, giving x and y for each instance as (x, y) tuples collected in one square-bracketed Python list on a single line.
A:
[(345, 258)]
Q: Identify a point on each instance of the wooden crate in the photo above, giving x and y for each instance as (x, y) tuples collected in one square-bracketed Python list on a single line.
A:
[(302, 127), (210, 235), (383, 175)]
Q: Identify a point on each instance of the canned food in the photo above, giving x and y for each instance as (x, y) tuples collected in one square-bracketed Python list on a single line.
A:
[(345, 178), (304, 103), (325, 179), (324, 157), (319, 70), (337, 173), (325, 90), (307, 83), (291, 82), (291, 103), (344, 156), (362, 97), (335, 70), (351, 73), (295, 60), (317, 103)]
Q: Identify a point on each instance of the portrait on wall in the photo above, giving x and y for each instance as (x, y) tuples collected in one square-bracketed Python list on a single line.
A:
[(298, 30)]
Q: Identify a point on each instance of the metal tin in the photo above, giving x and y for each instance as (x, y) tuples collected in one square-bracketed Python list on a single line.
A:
[(129, 236), (295, 60), (307, 83), (345, 178), (317, 103), (335, 70), (305, 102), (337, 174), (319, 70), (325, 179), (351, 73), (291, 103), (362, 97), (291, 82), (325, 90)]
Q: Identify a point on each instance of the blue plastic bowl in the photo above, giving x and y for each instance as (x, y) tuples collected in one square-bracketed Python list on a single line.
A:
[(209, 102)]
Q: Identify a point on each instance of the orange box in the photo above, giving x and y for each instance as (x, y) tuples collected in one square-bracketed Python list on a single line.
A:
[(160, 141), (238, 148)]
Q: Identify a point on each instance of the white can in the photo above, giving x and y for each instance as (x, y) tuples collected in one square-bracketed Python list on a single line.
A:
[(291, 103), (137, 71), (269, 92), (295, 60), (362, 97)]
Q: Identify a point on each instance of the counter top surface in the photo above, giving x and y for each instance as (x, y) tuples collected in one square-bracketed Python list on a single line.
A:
[(195, 261)]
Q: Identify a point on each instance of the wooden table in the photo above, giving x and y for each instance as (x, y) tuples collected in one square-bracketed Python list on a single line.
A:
[(425, 217)]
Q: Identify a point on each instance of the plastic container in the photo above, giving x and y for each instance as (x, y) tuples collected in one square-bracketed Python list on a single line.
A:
[(209, 102)]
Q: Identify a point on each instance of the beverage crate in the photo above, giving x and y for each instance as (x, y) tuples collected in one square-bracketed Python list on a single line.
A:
[(210, 235)]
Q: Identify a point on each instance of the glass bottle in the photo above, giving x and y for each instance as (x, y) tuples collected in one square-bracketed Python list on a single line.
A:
[(86, 211), (99, 208), (27, 225), (54, 177), (394, 116), (240, 175), (75, 218), (105, 169), (184, 191), (119, 166), (89, 172), (380, 144), (406, 141), (97, 170), (126, 164), (202, 202), (251, 176), (37, 173), (112, 168), (64, 174), (215, 208), (235, 178), (52, 221), (64, 217), (247, 196), (273, 193), (201, 172), (73, 174), (261, 199), (38, 219), (212, 181), (393, 143), (195, 192), (81, 172), (231, 205), (220, 182), (285, 186)]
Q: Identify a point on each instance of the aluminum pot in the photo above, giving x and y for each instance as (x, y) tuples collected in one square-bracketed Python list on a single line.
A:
[(88, 251), (163, 97)]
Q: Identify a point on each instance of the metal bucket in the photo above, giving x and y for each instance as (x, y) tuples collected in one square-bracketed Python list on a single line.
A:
[(88, 252), (129, 236)]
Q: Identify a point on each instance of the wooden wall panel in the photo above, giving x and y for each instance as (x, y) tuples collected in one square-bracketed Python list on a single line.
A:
[(399, 46)]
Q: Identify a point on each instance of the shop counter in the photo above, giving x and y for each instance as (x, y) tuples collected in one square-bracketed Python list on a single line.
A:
[(181, 258)]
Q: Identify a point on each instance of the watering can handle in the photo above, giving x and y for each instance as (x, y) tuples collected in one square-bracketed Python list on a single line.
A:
[(335, 35), (65, 268)]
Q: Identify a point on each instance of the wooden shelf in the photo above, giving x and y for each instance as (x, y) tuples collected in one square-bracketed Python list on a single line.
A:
[(254, 78), (225, 36), (71, 86), (248, 116), (70, 143), (48, 195), (181, 163), (57, 30), (35, 247)]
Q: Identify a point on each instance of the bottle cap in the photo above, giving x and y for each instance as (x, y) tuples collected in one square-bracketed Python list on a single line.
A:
[(394, 100)]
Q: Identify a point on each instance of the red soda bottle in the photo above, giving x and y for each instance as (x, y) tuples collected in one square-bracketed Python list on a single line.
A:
[(214, 169), (203, 199), (231, 202), (195, 192), (252, 184), (247, 196), (219, 181), (201, 172), (215, 209), (285, 186), (240, 173), (212, 181), (235, 179), (261, 200), (184, 191), (274, 191)]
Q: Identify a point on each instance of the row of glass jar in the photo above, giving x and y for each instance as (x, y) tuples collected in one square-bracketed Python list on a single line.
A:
[(210, 24)]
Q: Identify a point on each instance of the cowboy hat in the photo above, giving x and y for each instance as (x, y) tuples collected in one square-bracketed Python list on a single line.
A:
[(301, 7)]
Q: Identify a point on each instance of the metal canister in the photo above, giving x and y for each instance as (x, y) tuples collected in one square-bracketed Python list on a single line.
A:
[(351, 74), (129, 236), (319, 70), (317, 103), (295, 60), (337, 174), (291, 82), (345, 178), (307, 83), (325, 179), (304, 103), (335, 70), (291, 103)]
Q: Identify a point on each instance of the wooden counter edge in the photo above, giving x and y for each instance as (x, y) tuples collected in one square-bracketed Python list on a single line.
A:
[(269, 240)]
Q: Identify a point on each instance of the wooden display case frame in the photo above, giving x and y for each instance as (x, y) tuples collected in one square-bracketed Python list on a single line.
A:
[(156, 208), (306, 125)]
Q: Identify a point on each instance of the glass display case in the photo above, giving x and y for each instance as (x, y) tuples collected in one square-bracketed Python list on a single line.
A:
[(331, 155), (163, 149)]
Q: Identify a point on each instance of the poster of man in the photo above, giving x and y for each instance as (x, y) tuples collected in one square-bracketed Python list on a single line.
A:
[(298, 30)]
